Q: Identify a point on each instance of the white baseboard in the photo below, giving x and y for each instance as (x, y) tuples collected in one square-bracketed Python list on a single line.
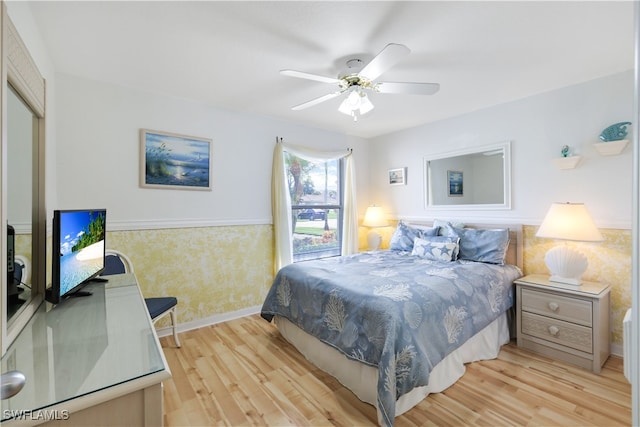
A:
[(166, 331), (616, 350)]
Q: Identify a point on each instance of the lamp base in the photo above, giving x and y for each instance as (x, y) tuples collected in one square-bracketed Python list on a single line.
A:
[(566, 265), (566, 280), (374, 239)]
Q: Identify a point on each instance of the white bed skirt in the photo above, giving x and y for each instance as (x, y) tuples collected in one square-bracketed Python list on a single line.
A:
[(362, 379)]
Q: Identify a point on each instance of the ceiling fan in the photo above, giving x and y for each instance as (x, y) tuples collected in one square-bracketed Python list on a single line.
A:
[(359, 78)]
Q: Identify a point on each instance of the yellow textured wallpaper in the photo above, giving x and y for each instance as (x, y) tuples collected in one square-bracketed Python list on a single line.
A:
[(23, 245), (211, 270), (385, 233), (217, 270), (609, 262)]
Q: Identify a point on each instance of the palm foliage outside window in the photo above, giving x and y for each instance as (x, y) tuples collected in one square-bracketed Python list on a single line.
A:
[(316, 206)]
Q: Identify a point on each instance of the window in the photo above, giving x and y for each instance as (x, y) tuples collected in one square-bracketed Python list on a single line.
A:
[(315, 188)]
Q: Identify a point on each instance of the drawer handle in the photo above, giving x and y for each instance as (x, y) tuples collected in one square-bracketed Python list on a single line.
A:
[(553, 306), (554, 330)]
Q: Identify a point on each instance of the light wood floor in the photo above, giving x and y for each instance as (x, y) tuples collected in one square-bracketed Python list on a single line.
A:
[(243, 373)]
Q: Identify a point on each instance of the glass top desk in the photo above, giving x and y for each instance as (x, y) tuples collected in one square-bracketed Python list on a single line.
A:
[(85, 355)]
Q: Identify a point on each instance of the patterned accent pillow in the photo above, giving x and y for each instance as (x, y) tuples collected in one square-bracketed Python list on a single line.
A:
[(442, 224), (402, 239), (438, 248), (481, 245)]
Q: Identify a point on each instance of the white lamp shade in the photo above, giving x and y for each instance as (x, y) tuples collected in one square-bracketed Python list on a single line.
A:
[(374, 217), (355, 101), (365, 104), (350, 103), (344, 108), (569, 221)]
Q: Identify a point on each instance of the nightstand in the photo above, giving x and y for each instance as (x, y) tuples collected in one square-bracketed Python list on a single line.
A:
[(568, 323)]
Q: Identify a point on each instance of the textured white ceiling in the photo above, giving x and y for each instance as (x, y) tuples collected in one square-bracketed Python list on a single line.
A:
[(228, 54)]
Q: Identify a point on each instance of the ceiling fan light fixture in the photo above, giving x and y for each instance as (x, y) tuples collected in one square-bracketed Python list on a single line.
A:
[(365, 104), (359, 77), (345, 107), (356, 101), (350, 103)]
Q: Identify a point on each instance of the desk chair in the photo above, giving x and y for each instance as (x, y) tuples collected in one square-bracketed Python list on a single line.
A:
[(117, 263), (22, 272), (21, 276)]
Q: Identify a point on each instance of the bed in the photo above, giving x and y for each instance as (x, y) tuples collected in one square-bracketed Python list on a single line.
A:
[(394, 326)]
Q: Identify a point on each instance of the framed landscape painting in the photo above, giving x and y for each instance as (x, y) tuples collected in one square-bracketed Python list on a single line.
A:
[(173, 161), (455, 180), (398, 176)]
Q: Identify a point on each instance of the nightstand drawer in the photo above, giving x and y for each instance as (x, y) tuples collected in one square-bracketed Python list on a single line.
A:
[(558, 307), (557, 331)]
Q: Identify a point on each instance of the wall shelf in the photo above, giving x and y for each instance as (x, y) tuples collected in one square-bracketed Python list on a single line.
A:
[(567, 162), (611, 148)]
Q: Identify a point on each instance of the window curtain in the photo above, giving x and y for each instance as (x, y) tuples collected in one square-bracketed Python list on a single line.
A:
[(281, 200)]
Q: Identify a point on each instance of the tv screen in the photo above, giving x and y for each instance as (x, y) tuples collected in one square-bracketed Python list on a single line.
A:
[(78, 250)]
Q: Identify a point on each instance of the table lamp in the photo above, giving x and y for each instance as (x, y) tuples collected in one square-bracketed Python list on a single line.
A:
[(568, 221), (374, 217)]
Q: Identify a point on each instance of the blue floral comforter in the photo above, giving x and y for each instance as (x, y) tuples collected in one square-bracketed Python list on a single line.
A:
[(400, 313)]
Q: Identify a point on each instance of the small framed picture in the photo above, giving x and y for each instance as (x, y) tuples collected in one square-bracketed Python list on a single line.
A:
[(455, 180), (172, 161), (398, 176)]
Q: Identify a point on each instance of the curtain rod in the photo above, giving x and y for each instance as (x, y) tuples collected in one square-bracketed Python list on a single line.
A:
[(279, 139)]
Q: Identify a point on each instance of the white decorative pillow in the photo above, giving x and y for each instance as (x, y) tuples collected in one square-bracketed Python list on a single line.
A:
[(436, 248)]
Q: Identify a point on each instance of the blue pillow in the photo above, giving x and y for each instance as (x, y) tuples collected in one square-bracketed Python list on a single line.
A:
[(438, 248), (442, 224), (481, 245), (402, 239)]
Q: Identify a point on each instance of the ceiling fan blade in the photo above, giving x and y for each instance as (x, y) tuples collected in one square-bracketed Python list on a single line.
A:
[(316, 101), (387, 58), (308, 76), (407, 88)]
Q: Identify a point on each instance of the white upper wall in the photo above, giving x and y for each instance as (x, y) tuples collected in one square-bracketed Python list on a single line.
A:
[(92, 138), (22, 18), (98, 155), (98, 160), (538, 127)]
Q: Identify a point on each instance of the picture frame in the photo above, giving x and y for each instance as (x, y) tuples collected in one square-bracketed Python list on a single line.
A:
[(174, 161), (455, 183), (398, 176)]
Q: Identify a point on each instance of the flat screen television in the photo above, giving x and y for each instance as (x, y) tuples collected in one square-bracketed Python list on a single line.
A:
[(78, 251)]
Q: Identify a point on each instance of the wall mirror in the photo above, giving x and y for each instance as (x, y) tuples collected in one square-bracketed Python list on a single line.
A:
[(21, 136), (473, 178), (23, 213)]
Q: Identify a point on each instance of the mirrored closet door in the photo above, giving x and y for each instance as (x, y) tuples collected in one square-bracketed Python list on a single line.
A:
[(23, 213)]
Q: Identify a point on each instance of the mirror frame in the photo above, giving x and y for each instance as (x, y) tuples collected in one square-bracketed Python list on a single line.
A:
[(506, 163), (19, 69)]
